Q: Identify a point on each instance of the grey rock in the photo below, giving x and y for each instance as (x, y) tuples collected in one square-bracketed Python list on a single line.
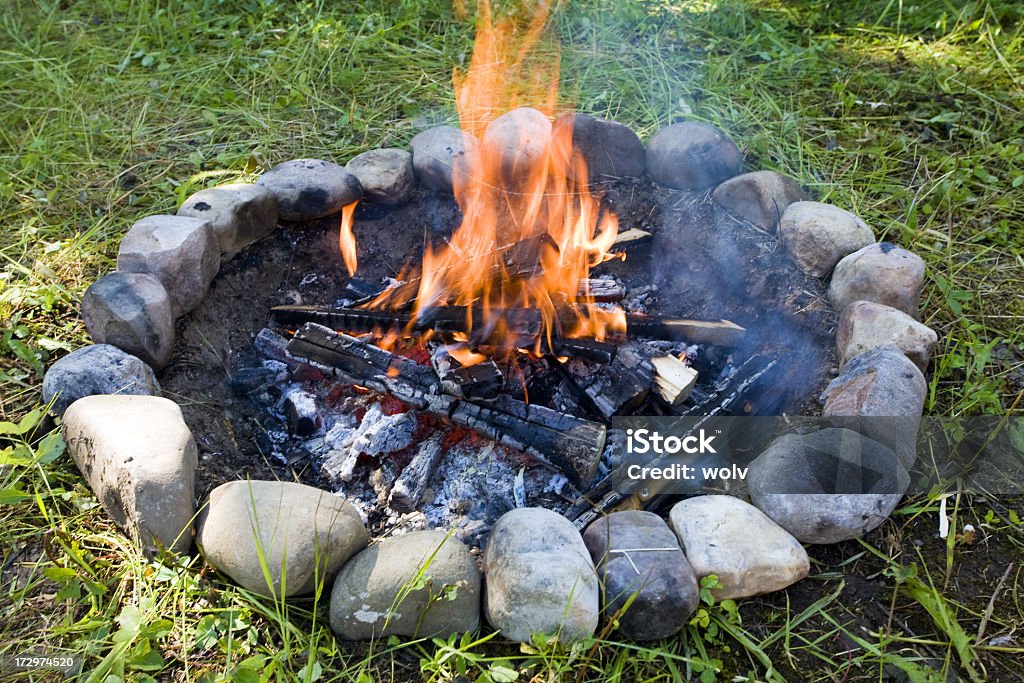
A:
[(828, 486), (386, 175), (610, 149), (181, 252), (421, 584), (818, 235), (540, 578), (131, 311), (865, 325), (240, 214), (441, 154), (96, 369), (886, 391), (760, 197), (883, 273), (517, 142), (139, 459), (636, 553), (307, 189), (299, 535), (748, 552), (691, 156)]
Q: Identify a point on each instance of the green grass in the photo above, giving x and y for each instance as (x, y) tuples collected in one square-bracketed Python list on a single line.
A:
[(906, 113)]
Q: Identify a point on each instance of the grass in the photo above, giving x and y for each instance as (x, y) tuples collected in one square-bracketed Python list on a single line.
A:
[(908, 114)]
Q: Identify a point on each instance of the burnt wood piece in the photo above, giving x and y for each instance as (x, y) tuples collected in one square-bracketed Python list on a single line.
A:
[(603, 498), (363, 290), (623, 384), (631, 239), (483, 380), (716, 333), (566, 443), (525, 322), (412, 482), (602, 290), (586, 349)]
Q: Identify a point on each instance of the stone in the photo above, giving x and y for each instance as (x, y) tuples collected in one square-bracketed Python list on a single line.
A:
[(887, 391), (139, 459), (420, 584), (691, 156), (748, 552), (240, 214), (386, 175), (278, 538), (540, 578), (636, 553), (97, 369), (610, 149), (517, 144), (307, 189), (828, 486), (759, 198), (865, 325), (818, 235), (442, 155), (131, 311), (181, 252), (883, 273)]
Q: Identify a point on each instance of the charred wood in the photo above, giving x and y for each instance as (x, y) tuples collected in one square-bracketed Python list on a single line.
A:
[(624, 383), (566, 443), (412, 482)]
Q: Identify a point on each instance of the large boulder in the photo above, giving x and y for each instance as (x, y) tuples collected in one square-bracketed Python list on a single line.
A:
[(883, 273), (131, 311), (865, 325), (692, 156), (516, 146), (818, 235), (828, 486), (609, 149), (420, 584), (278, 537), (307, 189), (540, 578), (638, 558), (748, 552), (444, 156), (240, 214), (97, 369), (140, 460), (386, 175), (181, 252), (759, 198)]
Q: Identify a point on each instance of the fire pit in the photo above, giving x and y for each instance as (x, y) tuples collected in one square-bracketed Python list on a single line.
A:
[(445, 339)]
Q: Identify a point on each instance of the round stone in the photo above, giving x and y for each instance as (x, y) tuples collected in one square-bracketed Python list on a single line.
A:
[(420, 584), (386, 175), (883, 273), (692, 156), (97, 369), (132, 312), (610, 150), (759, 198), (818, 235), (515, 146), (307, 189), (240, 214), (442, 155), (865, 325)]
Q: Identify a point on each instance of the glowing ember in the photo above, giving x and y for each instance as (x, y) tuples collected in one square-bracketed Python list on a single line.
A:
[(526, 186)]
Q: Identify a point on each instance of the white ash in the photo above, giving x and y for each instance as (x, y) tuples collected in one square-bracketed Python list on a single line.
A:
[(377, 434)]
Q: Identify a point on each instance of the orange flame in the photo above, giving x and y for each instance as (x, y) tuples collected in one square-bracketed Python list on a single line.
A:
[(346, 239), (531, 230)]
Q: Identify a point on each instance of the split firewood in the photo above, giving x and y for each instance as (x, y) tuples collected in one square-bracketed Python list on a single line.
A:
[(623, 384), (631, 239), (412, 482), (673, 379), (716, 333), (568, 444)]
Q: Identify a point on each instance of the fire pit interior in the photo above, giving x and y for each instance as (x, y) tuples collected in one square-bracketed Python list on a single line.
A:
[(676, 267)]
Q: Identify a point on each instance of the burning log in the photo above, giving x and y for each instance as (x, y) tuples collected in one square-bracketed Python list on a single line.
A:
[(566, 443), (483, 380), (624, 383), (601, 290), (673, 379), (412, 482)]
